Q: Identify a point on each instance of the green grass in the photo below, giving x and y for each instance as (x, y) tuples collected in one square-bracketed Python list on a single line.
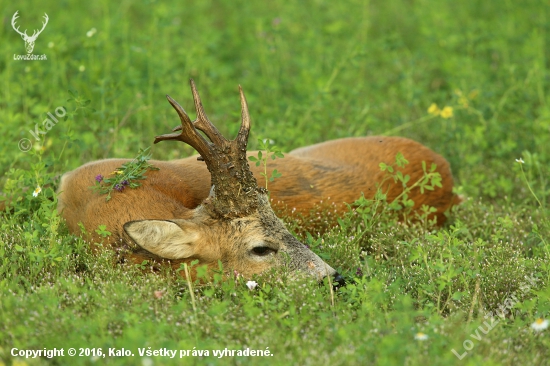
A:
[(312, 71)]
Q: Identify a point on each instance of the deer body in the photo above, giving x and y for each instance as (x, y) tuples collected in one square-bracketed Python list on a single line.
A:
[(185, 210), (335, 172)]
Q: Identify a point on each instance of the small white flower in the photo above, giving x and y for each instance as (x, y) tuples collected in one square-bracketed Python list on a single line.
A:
[(37, 191), (420, 336), (91, 32), (520, 160), (252, 284), (540, 324), (81, 68)]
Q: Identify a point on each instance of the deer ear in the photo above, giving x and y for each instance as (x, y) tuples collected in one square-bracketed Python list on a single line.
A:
[(164, 238)]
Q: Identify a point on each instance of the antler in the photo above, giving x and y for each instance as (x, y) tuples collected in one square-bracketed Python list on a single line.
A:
[(24, 34), (234, 185), (13, 19), (43, 26)]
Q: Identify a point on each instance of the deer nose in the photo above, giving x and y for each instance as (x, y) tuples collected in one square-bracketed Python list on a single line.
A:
[(338, 280)]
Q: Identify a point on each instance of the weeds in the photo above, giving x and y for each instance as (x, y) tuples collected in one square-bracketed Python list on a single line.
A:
[(267, 150), (125, 176)]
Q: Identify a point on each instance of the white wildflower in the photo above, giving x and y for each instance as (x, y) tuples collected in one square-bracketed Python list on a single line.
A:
[(37, 191), (539, 324), (420, 336)]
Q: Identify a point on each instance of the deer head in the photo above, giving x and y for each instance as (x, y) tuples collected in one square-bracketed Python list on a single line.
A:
[(235, 224), (29, 40)]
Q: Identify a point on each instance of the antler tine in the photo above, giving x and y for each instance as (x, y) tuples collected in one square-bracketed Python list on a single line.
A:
[(188, 133), (202, 122), (242, 137), (44, 23), (245, 116)]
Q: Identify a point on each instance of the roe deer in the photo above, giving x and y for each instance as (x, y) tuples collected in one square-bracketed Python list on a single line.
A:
[(187, 210)]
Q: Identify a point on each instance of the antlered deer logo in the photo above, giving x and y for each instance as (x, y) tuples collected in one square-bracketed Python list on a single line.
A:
[(29, 40)]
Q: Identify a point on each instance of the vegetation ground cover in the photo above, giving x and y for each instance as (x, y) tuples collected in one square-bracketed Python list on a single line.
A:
[(468, 79)]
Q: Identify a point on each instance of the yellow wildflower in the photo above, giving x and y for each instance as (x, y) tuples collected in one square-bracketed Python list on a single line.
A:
[(433, 109), (117, 172), (446, 112)]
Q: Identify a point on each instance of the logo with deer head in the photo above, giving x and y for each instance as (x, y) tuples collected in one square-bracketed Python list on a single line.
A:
[(29, 40)]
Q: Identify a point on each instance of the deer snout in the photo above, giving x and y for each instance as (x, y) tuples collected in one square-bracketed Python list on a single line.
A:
[(338, 280)]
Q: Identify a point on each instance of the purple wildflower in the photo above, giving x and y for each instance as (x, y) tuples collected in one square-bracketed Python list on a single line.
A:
[(119, 187), (99, 178), (359, 272), (125, 182)]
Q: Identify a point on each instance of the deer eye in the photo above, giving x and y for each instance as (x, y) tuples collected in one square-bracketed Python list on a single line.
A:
[(262, 251)]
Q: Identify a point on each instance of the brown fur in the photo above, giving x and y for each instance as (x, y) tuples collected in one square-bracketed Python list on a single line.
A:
[(339, 171)]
